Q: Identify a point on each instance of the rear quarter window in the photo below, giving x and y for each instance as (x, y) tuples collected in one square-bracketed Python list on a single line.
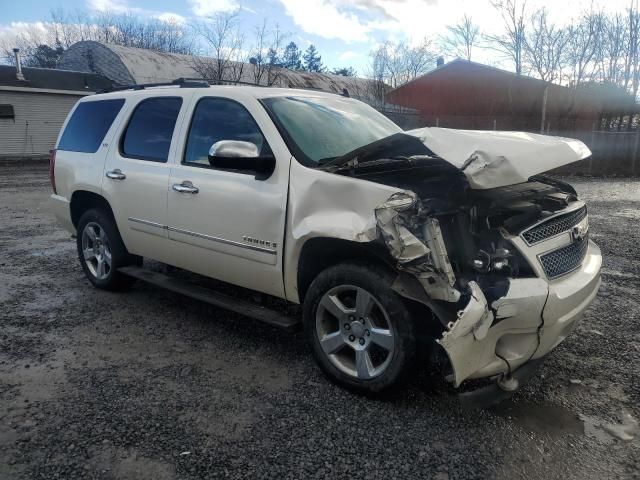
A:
[(88, 125)]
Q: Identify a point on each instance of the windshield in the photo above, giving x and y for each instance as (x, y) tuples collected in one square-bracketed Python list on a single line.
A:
[(320, 129)]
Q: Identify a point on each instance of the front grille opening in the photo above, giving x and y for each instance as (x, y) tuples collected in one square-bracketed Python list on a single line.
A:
[(554, 226), (565, 259)]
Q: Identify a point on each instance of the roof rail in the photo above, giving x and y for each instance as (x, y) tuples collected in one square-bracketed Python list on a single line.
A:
[(202, 83), (181, 82)]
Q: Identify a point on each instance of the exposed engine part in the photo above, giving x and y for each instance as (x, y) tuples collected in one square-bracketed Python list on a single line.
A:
[(402, 221), (394, 218), (433, 238)]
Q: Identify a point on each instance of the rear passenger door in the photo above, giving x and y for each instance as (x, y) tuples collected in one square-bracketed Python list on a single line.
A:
[(137, 171)]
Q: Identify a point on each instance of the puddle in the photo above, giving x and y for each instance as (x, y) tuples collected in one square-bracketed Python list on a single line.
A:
[(544, 419), (555, 420)]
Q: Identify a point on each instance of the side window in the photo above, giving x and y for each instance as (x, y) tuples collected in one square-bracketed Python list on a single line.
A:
[(216, 119), (148, 134), (6, 111), (88, 125)]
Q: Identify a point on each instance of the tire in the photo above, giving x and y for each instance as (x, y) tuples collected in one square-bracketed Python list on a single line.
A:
[(349, 309), (101, 251)]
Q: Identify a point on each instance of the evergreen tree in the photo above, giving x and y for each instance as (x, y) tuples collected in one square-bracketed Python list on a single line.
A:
[(291, 57), (273, 58), (345, 71), (312, 60), (44, 56)]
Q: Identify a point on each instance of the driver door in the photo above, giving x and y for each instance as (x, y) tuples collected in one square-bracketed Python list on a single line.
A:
[(226, 223)]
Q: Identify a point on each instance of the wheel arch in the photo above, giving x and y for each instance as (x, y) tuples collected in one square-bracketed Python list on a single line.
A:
[(83, 200), (320, 253)]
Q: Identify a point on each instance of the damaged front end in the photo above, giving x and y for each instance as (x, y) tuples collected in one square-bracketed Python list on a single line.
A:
[(506, 270)]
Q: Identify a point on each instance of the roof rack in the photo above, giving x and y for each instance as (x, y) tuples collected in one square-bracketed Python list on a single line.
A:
[(202, 83), (180, 82)]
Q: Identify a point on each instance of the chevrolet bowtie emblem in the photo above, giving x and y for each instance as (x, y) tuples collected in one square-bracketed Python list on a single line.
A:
[(579, 232)]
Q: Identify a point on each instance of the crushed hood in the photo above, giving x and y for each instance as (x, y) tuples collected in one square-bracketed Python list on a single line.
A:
[(495, 159)]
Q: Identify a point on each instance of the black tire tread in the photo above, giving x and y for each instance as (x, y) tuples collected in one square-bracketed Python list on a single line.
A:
[(116, 281), (377, 280)]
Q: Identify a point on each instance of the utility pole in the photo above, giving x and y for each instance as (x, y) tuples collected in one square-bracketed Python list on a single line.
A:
[(544, 108)]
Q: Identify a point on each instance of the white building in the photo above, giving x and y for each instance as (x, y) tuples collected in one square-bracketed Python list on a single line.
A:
[(33, 105)]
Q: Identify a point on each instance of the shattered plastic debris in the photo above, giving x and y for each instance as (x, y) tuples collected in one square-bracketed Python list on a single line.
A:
[(474, 317)]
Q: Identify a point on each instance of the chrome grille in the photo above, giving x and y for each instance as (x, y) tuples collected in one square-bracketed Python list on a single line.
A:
[(554, 226), (565, 259)]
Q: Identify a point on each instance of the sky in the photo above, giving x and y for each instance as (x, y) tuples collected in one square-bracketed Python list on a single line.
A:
[(344, 31)]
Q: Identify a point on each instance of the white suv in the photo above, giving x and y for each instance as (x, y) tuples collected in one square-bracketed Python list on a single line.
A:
[(395, 243)]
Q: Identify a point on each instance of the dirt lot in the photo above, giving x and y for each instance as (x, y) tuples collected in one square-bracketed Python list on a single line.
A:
[(150, 385)]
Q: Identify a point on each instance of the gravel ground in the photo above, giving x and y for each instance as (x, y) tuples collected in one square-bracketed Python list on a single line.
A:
[(151, 385)]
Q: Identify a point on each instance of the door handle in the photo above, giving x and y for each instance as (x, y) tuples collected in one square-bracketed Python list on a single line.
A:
[(185, 187), (116, 175)]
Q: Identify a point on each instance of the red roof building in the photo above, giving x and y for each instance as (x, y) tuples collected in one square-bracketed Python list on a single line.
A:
[(464, 94)]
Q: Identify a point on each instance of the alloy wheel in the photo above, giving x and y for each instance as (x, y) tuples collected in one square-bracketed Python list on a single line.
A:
[(355, 332), (96, 250)]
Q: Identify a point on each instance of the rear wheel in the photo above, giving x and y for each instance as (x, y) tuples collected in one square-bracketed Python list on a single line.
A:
[(101, 251), (360, 331)]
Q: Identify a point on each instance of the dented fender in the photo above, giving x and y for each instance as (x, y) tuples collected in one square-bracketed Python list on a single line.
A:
[(316, 208), (322, 204)]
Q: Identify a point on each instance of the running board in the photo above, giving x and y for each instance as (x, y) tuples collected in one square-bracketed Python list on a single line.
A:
[(212, 297)]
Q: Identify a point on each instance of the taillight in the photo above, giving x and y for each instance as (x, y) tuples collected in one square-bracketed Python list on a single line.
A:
[(52, 169)]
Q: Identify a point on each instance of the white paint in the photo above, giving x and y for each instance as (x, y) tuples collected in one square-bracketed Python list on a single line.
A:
[(297, 204), (494, 159)]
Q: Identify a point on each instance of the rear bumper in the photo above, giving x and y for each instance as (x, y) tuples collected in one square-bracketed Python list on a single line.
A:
[(530, 320), (61, 209)]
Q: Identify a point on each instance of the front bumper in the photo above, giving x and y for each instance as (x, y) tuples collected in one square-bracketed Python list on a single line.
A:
[(529, 321)]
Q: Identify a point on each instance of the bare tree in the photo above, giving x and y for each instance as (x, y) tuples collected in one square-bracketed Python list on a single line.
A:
[(419, 59), (398, 63), (612, 50), (512, 42), (585, 38), (545, 47), (63, 30), (29, 41), (376, 88), (224, 47), (266, 54), (462, 37), (632, 59)]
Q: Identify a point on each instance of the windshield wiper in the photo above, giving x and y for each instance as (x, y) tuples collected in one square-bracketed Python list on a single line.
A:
[(324, 161), (354, 163), (397, 145)]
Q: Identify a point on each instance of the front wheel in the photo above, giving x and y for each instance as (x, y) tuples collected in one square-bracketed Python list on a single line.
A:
[(361, 332), (101, 251)]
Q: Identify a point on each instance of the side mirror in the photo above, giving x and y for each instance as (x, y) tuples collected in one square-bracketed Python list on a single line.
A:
[(242, 156)]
